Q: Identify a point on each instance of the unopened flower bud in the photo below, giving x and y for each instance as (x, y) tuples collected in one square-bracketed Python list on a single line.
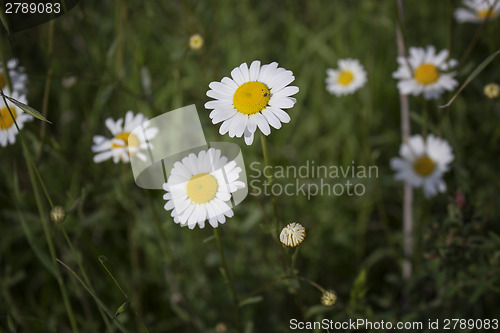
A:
[(329, 298), (57, 214), (492, 90)]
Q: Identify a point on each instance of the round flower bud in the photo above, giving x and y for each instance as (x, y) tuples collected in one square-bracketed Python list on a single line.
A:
[(492, 90), (293, 234), (329, 298), (57, 214)]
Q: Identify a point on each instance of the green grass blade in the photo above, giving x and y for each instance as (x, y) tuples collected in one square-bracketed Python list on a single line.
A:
[(472, 76), (28, 109)]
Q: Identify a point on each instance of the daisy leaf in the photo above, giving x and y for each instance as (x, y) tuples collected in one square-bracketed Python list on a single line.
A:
[(28, 109), (472, 76)]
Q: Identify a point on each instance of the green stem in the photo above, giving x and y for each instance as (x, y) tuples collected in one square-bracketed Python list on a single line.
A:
[(425, 118), (48, 239), (269, 178), (120, 12), (283, 278), (102, 259), (85, 276), (43, 216), (407, 190), (140, 323), (4, 66), (472, 44), (92, 293), (48, 80), (294, 259), (229, 281)]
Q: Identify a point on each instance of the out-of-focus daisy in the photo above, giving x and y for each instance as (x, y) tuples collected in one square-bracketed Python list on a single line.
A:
[(17, 76), (254, 97), (196, 42), (123, 142), (423, 163), (68, 81), (8, 130), (491, 90), (425, 72), (349, 77), (199, 188), (293, 234), (477, 11)]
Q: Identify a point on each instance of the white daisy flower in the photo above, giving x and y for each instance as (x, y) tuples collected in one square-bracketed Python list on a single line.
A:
[(349, 77), (123, 144), (425, 72), (17, 77), (8, 130), (477, 11), (254, 97), (199, 188), (423, 163), (293, 234)]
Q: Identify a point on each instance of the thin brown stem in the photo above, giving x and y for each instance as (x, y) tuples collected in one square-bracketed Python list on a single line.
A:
[(405, 133)]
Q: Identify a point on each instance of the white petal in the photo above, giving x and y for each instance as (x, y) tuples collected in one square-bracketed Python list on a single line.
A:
[(254, 70), (271, 118)]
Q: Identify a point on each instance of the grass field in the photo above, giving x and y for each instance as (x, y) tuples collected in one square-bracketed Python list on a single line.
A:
[(119, 253)]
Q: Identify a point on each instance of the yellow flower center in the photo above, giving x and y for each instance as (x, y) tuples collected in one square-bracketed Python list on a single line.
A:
[(130, 141), (6, 120), (424, 166), (251, 97), (426, 74), (202, 188), (345, 77), (486, 13), (2, 81)]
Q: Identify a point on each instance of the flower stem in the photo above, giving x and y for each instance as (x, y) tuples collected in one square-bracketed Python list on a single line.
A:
[(284, 278), (85, 277), (408, 193), (229, 282), (269, 179), (32, 170), (48, 79)]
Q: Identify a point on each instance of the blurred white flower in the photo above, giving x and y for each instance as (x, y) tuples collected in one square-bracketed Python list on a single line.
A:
[(254, 97), (423, 163), (8, 130), (349, 77), (69, 81), (491, 90), (425, 72), (293, 234), (123, 142), (18, 78), (477, 11), (199, 188), (196, 42)]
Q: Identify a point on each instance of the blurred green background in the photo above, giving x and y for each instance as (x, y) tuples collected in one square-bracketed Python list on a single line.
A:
[(170, 274)]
